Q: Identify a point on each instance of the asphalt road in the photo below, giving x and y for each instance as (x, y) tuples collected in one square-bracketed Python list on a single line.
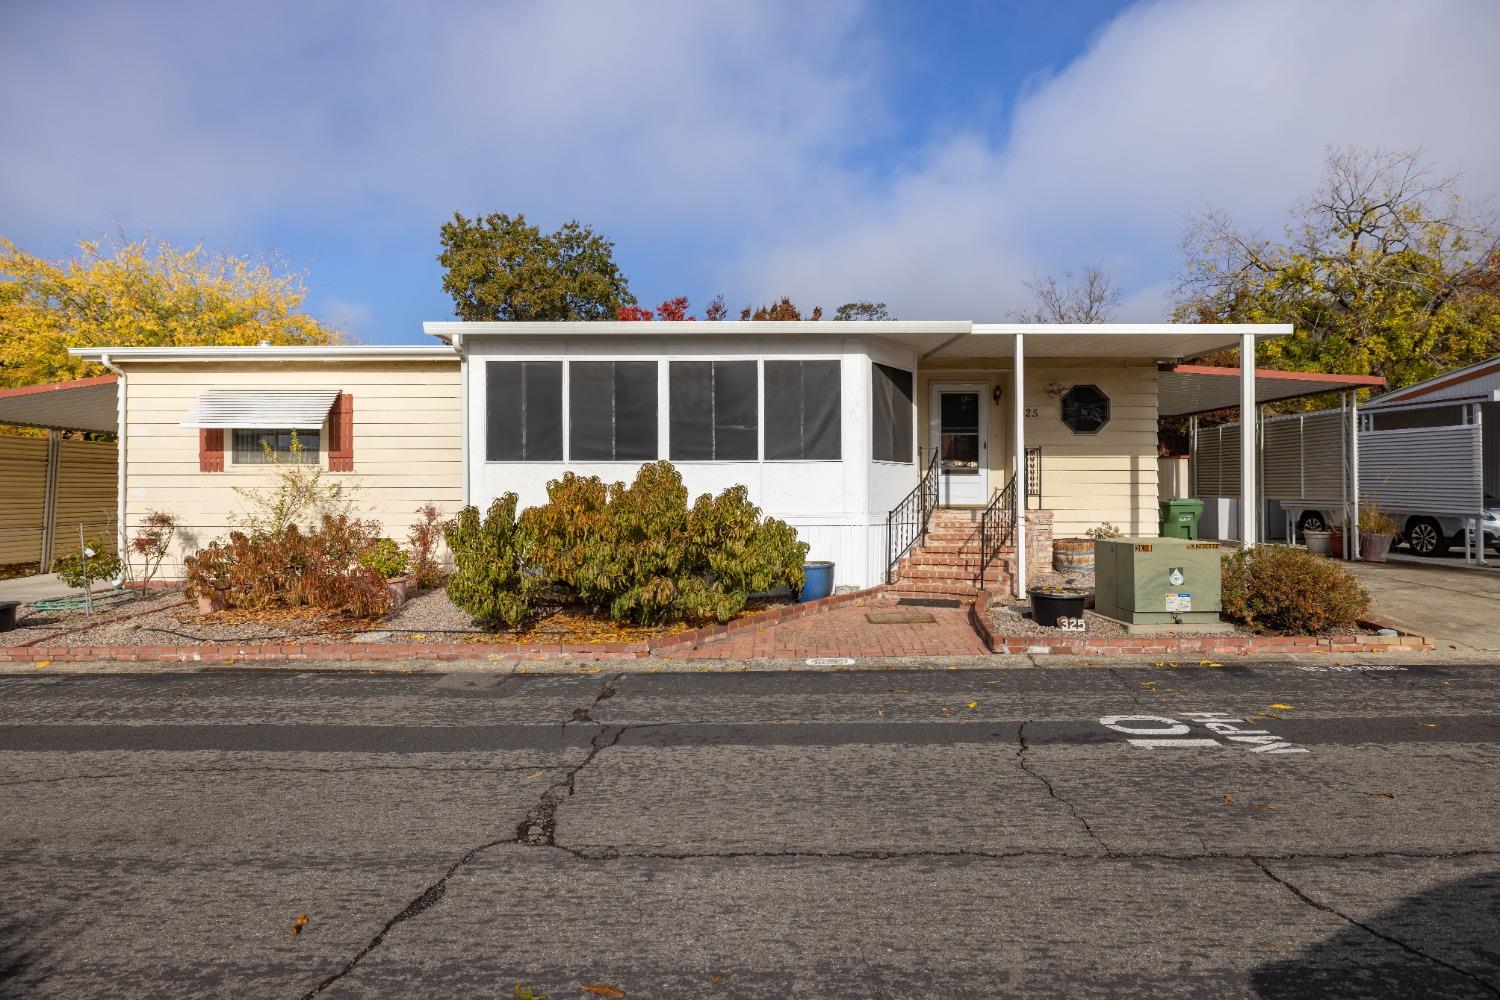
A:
[(893, 834)]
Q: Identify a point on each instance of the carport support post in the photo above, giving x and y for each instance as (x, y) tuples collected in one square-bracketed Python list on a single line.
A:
[(1248, 465), (1354, 472), (1478, 532), (1018, 455)]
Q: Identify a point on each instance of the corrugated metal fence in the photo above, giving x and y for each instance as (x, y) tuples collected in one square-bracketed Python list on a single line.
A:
[(48, 487), (1435, 470), (1301, 455)]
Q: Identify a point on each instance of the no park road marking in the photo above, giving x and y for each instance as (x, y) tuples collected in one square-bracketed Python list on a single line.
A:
[(1158, 732)]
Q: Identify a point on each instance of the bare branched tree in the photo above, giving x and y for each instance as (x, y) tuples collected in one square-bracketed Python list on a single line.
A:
[(1093, 298)]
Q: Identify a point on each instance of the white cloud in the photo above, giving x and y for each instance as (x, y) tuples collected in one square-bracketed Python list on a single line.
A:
[(1175, 106), (350, 318)]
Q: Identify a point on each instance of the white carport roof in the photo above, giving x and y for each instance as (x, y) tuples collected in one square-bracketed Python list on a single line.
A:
[(85, 404), (933, 340), (1182, 390)]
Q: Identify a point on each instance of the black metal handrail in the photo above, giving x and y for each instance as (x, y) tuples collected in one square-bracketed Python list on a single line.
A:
[(906, 524), (997, 526)]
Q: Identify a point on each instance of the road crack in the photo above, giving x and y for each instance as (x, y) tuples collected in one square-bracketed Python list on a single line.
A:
[(1388, 938), (1021, 749), (538, 829)]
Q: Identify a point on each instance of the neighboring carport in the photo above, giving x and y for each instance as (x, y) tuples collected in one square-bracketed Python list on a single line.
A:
[(1305, 458), (50, 486)]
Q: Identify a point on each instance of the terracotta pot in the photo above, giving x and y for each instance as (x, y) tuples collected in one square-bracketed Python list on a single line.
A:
[(1073, 555), (1336, 543), (1375, 546), (208, 605), (396, 586)]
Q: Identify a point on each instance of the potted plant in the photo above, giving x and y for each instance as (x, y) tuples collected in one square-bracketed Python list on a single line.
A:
[(208, 577), (1048, 604), (1076, 555), (1377, 532), (388, 559)]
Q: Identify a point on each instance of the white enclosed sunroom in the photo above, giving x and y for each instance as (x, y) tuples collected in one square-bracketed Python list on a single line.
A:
[(852, 432)]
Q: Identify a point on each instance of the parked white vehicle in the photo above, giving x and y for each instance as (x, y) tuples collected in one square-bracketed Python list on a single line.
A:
[(1424, 533)]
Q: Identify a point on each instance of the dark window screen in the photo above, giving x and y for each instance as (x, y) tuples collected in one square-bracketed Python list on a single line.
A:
[(802, 410), (523, 411), (249, 446), (612, 411), (891, 411), (713, 412)]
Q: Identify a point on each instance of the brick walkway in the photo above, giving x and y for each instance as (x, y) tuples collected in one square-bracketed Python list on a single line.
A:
[(845, 632)]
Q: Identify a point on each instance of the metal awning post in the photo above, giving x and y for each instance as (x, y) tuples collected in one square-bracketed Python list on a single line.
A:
[(1479, 521), (1344, 479), (1248, 465), (1018, 457), (1354, 469)]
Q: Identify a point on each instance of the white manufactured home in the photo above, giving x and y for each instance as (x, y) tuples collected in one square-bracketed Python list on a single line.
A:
[(858, 434)]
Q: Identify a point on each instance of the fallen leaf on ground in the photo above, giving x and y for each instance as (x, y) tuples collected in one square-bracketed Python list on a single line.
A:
[(602, 990), (972, 704), (42, 663), (1278, 704), (1428, 725), (526, 993), (880, 712), (1383, 795), (1268, 715), (1263, 805), (1228, 799), (298, 924), (536, 776)]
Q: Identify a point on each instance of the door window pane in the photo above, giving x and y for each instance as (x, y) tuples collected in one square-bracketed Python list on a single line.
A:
[(959, 432)]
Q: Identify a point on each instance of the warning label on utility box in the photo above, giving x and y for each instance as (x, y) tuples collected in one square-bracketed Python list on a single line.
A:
[(1179, 602)]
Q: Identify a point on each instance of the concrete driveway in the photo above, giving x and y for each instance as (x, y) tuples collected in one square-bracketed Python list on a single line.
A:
[(1457, 605), (35, 588)]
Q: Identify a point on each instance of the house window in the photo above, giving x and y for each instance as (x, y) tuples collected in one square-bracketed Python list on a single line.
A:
[(714, 411), (892, 410), (612, 411), (1085, 409), (265, 446), (523, 411), (802, 410)]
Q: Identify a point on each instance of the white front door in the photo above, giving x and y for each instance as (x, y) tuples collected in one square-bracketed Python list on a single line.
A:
[(960, 430)]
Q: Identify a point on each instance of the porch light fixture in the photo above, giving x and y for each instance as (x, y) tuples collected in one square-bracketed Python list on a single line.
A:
[(1055, 389), (996, 394)]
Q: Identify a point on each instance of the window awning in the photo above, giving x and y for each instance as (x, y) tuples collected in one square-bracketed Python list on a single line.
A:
[(295, 409)]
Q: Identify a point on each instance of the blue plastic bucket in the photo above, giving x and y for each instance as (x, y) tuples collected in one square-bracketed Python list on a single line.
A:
[(818, 583)]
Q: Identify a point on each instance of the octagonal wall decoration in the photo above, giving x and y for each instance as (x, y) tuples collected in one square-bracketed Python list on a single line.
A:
[(1085, 409)]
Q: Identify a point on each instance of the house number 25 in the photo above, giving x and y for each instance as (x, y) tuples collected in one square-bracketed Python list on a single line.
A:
[(1032, 411)]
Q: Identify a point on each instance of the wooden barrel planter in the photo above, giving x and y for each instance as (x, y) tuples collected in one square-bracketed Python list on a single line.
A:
[(1073, 555)]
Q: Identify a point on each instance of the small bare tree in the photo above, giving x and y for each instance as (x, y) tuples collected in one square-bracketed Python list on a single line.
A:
[(1093, 298)]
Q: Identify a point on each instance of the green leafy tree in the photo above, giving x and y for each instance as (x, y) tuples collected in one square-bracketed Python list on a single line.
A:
[(783, 311), (502, 268), (861, 310), (1384, 270)]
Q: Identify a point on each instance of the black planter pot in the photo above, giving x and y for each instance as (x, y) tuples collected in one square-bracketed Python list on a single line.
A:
[(8, 615), (1047, 608)]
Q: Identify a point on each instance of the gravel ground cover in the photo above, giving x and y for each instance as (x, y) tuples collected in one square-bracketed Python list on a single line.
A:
[(167, 619)]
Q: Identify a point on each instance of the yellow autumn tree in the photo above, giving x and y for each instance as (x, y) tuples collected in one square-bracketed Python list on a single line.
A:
[(140, 293)]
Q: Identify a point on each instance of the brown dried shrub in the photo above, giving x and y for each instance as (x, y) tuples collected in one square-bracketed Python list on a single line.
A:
[(1282, 590)]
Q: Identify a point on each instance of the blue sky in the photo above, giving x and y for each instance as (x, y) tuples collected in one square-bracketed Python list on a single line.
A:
[(933, 156)]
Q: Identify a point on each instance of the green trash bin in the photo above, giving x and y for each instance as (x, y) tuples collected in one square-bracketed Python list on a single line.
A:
[(1179, 517)]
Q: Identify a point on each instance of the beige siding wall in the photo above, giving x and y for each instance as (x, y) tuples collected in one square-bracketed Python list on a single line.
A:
[(1086, 478), (407, 444), (23, 489)]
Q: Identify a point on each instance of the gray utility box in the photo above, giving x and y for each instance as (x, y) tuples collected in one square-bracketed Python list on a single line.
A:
[(1157, 581)]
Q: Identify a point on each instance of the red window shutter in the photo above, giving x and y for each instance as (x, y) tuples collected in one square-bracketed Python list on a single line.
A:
[(210, 449), (341, 434)]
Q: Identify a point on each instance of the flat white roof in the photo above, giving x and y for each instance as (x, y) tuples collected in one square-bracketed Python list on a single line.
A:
[(931, 339), (412, 352)]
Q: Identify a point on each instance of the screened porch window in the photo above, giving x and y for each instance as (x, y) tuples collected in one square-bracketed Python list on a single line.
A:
[(265, 446), (523, 411), (891, 411), (714, 411), (612, 411), (803, 410)]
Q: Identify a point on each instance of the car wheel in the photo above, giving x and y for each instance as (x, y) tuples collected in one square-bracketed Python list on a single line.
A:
[(1425, 536), (1311, 521)]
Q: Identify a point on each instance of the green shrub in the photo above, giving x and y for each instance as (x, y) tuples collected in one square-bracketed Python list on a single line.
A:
[(637, 552), (76, 571), (318, 568), (384, 557), (492, 575), (1283, 590)]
